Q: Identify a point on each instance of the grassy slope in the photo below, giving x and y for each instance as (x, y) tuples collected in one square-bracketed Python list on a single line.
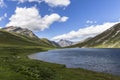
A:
[(7, 38), (108, 39), (15, 65)]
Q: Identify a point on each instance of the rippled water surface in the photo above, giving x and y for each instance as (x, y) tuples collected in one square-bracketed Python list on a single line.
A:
[(101, 60)]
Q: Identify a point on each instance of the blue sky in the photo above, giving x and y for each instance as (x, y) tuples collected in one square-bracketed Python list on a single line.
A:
[(61, 19)]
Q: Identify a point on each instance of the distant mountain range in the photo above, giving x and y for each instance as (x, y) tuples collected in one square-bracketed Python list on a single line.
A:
[(18, 36), (65, 43), (28, 33), (108, 39)]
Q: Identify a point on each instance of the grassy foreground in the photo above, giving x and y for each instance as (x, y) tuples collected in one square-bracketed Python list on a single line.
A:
[(15, 65)]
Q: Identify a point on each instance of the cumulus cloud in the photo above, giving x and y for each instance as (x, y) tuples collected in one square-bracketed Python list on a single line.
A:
[(84, 33), (3, 17), (31, 19), (52, 3), (2, 4)]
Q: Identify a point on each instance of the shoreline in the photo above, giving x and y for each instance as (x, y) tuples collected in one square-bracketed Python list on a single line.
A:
[(17, 65), (32, 58)]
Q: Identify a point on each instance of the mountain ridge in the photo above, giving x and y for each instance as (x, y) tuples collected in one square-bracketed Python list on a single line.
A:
[(108, 39), (12, 36), (65, 43), (23, 31)]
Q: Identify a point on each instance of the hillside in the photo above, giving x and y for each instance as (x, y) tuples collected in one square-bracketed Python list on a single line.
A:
[(9, 38), (50, 42), (15, 64), (108, 39), (21, 31)]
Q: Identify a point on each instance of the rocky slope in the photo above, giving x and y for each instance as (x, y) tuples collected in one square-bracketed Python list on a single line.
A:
[(19, 30), (50, 42), (64, 43), (19, 36), (108, 39)]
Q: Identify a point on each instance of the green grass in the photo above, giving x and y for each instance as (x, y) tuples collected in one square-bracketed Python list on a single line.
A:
[(15, 65), (7, 38)]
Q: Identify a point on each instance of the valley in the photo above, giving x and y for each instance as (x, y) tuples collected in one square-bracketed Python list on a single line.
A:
[(59, 39), (15, 64)]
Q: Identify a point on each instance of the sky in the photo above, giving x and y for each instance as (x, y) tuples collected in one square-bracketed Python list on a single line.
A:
[(73, 20)]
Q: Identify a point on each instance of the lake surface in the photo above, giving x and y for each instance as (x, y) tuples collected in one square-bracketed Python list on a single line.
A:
[(101, 60)]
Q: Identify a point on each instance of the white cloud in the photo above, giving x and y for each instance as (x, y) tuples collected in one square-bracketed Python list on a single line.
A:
[(55, 3), (2, 4), (31, 19), (22, 1), (63, 19), (52, 3), (84, 33), (3, 17), (90, 22)]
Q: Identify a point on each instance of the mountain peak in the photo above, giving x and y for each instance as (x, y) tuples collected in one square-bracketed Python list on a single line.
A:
[(21, 31), (63, 40), (64, 43)]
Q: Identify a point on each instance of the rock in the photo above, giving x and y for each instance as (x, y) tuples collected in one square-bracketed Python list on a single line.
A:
[(64, 43), (19, 30)]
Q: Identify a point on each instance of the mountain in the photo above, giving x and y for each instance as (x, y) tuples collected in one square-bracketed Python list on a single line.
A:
[(17, 36), (108, 39), (19, 30), (55, 43), (64, 43), (50, 42)]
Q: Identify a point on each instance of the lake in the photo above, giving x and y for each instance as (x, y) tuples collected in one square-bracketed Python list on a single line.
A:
[(100, 60)]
